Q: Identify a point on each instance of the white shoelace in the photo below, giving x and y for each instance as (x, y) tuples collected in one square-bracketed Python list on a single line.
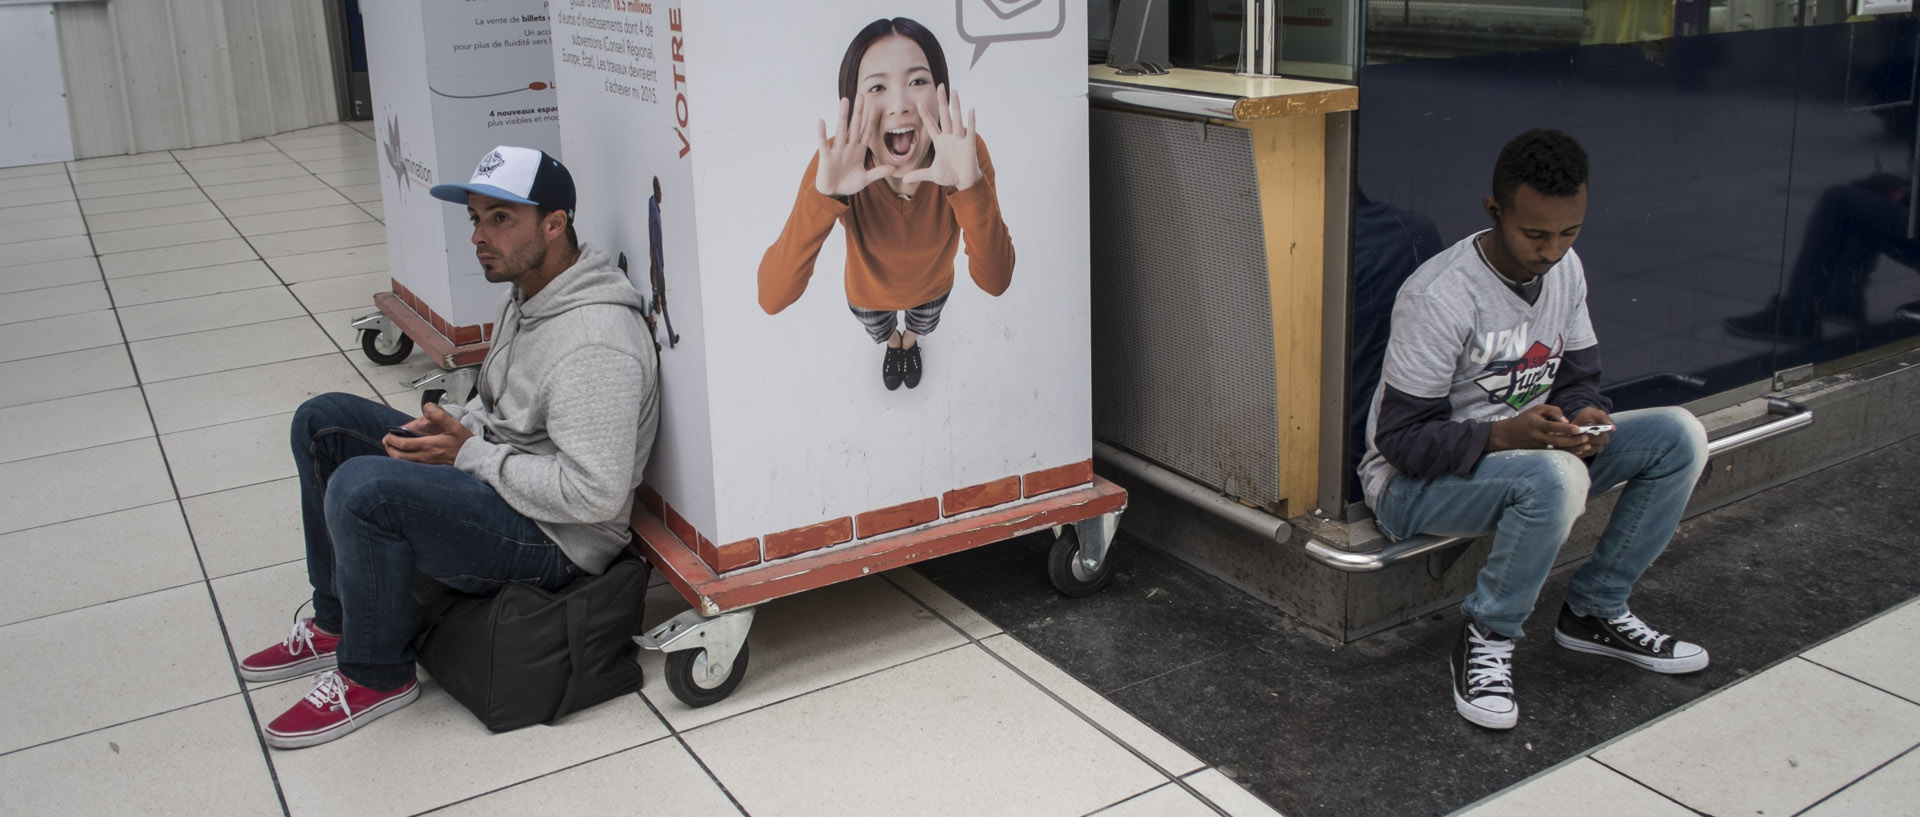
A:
[(301, 634), (1490, 664), (330, 692), (1630, 626)]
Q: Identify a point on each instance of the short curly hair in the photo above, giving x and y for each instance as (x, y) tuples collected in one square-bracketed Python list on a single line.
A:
[(1546, 160)]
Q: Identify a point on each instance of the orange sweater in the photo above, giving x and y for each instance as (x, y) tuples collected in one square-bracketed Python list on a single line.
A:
[(899, 252)]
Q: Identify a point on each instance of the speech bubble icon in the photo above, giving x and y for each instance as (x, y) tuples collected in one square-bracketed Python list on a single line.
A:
[(985, 22)]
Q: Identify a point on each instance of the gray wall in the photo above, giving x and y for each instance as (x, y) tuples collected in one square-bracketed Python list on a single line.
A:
[(146, 75)]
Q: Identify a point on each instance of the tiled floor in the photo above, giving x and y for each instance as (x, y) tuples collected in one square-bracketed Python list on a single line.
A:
[(161, 315)]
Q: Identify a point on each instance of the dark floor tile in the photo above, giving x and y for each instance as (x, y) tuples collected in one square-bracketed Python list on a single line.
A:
[(1369, 729)]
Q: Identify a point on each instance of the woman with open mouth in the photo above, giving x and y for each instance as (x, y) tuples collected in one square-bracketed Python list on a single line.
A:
[(910, 182)]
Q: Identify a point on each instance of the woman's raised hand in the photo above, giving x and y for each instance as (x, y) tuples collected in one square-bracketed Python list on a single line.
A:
[(956, 163), (843, 170)]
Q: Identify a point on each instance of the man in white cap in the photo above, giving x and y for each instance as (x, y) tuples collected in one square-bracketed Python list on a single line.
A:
[(531, 481)]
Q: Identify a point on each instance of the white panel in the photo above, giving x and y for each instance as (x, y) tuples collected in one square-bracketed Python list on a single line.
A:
[(90, 57), (33, 111)]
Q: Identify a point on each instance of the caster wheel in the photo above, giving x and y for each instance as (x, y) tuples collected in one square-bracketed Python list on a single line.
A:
[(1070, 576), (385, 354), (685, 677)]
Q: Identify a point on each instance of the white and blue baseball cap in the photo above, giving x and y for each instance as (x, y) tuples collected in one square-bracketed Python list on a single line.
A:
[(519, 175)]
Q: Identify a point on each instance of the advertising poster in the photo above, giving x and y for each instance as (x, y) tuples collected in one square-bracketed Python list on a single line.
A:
[(894, 342), (451, 79)]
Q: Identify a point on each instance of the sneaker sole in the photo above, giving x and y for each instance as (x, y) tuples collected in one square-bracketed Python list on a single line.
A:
[(343, 728), (293, 670), (1664, 666), (1481, 717)]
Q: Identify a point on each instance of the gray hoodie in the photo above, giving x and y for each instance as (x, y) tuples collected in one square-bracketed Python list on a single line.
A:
[(568, 403)]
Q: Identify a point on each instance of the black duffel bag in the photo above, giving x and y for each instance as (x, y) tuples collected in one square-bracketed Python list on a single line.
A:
[(526, 655)]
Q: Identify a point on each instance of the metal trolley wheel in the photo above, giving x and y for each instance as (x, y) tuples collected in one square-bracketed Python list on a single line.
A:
[(687, 679), (382, 353), (1071, 574)]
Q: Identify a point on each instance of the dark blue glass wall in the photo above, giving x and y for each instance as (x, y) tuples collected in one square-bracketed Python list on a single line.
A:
[(1721, 164)]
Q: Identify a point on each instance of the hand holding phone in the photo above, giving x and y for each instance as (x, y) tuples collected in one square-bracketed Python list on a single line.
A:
[(1598, 428), (403, 431)]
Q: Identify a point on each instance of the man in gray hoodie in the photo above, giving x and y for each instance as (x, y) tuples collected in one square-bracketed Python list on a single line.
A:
[(531, 481)]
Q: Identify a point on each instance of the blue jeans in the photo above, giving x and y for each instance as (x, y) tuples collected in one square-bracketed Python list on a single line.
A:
[(1529, 500), (373, 521)]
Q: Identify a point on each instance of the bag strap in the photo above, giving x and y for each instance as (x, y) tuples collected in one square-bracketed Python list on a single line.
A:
[(577, 612)]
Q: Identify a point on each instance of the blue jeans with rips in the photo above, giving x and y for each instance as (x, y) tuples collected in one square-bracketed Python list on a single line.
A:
[(372, 521), (1529, 500)]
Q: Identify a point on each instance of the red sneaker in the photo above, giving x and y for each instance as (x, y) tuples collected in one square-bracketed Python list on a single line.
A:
[(335, 707), (305, 651)]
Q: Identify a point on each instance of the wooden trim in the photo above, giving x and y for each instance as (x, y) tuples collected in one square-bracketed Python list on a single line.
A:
[(1289, 158)]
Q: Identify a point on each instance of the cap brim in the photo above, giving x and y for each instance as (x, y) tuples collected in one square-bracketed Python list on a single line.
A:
[(457, 193)]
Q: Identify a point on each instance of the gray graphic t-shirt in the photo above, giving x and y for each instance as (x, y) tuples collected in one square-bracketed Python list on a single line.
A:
[(1461, 333)]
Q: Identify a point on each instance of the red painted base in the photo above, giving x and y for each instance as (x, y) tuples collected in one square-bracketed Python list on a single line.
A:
[(713, 594), (443, 350)]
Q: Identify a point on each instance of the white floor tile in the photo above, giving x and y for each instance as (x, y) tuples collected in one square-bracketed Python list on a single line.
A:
[(83, 483), (1884, 652), (362, 192), (51, 336), (303, 141), (376, 208), (361, 160), (124, 553), (128, 187), (1777, 742), (191, 283), (1580, 789), (333, 151), (349, 178), (39, 250), (154, 217), (270, 157), (1167, 801), (53, 302), (64, 375), (321, 238), (36, 182), (149, 170), (1228, 795), (23, 171), (72, 423), (50, 691), (201, 760), (948, 607), (36, 195), (282, 202), (64, 272), (142, 201), (252, 173), (53, 227), (168, 259), (237, 347), (395, 772), (256, 391), (265, 187), (247, 528), (1891, 791), (1155, 747), (807, 642), (231, 149), (168, 235), (346, 292), (314, 266), (218, 458), (290, 220), (339, 326), (992, 745), (39, 212), (125, 160), (658, 778), (188, 315), (260, 606)]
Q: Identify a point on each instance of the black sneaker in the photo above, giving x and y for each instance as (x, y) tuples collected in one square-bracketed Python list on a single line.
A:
[(1628, 639), (893, 368), (1483, 678), (910, 364)]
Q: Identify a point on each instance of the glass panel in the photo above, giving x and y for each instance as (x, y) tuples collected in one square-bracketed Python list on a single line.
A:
[(1401, 30)]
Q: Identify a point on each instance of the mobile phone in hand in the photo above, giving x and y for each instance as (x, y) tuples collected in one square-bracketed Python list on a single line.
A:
[(403, 431), (1598, 428)]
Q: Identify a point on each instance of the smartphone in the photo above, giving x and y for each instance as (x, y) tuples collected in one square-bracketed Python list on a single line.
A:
[(402, 431), (1600, 428)]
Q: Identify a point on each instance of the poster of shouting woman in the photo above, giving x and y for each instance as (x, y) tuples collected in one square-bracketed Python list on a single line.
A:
[(910, 183)]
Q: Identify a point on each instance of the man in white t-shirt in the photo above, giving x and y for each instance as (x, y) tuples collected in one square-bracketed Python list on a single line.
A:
[(1489, 419)]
